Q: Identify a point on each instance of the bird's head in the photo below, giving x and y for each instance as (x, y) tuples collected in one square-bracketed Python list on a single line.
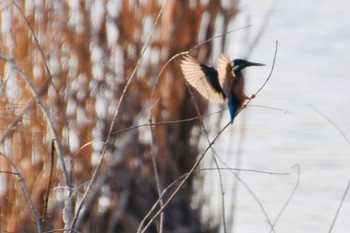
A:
[(240, 64)]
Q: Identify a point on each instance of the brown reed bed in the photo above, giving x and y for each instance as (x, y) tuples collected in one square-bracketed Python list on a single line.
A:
[(64, 68)]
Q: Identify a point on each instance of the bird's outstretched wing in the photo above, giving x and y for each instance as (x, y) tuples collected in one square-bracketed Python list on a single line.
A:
[(203, 78), (225, 72)]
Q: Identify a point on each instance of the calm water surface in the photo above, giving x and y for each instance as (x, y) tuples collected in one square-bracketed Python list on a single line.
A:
[(312, 68)]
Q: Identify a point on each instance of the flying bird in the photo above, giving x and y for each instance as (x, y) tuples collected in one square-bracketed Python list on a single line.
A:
[(218, 86)]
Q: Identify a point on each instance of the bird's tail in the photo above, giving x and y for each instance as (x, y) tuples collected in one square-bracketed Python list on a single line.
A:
[(232, 110)]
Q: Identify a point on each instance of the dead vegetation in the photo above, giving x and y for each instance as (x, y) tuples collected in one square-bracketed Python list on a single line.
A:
[(64, 66)]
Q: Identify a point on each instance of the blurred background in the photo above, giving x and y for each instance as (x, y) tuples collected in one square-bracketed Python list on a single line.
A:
[(65, 64), (312, 71)]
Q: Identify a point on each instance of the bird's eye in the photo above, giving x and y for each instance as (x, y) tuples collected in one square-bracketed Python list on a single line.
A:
[(235, 68)]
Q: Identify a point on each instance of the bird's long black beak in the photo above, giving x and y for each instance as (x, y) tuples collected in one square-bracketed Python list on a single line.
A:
[(254, 64)]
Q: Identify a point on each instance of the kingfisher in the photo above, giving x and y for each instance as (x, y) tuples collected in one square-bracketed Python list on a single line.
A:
[(218, 86)]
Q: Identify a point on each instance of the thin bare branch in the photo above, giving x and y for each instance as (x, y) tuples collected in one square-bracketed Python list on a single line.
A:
[(25, 190), (332, 123), (166, 122), (61, 230), (262, 29), (28, 106), (288, 200), (47, 194), (215, 154), (219, 36), (187, 52), (75, 222), (36, 42), (339, 207), (348, 185), (158, 184), (271, 71), (142, 228), (46, 113), (181, 178)]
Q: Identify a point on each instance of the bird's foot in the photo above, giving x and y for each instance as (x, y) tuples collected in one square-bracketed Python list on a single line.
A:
[(252, 97)]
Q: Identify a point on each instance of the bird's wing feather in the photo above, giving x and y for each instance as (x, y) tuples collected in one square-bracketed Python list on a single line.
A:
[(225, 66), (203, 78)]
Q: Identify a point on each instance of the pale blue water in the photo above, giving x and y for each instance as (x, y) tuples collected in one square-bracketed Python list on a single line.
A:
[(312, 68)]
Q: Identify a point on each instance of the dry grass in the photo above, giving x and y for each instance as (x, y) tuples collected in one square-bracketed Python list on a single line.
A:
[(63, 69)]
